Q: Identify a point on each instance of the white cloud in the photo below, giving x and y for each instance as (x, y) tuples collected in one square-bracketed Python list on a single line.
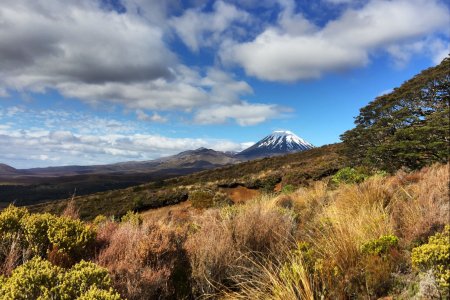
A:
[(296, 49), (155, 117), (436, 48), (245, 114), (197, 28), (98, 55), (49, 42), (13, 110)]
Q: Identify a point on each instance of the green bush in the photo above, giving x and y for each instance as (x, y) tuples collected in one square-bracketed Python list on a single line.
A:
[(435, 255), (70, 236), (39, 279), (36, 279), (95, 293), (132, 218), (221, 199), (202, 198), (288, 189), (35, 227), (380, 246), (81, 277), (348, 175), (138, 203), (11, 221), (100, 219)]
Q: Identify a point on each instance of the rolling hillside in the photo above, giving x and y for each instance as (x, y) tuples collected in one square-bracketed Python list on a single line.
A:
[(263, 174)]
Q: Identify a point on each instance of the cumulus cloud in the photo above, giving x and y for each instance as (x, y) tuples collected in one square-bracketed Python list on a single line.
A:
[(96, 54), (197, 28), (245, 114), (49, 42), (296, 49)]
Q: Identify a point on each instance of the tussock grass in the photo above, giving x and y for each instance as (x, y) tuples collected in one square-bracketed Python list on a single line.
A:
[(337, 222)]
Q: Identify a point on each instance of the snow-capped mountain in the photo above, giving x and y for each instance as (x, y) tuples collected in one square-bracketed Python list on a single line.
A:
[(277, 143)]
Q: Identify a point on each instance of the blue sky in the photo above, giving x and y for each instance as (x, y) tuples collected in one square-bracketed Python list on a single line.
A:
[(93, 82)]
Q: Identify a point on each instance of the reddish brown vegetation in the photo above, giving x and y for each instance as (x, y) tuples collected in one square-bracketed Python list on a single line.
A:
[(146, 262)]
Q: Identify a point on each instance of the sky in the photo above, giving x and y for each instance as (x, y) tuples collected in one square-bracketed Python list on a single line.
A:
[(104, 81)]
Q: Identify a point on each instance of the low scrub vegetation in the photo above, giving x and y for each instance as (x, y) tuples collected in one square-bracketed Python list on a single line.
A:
[(363, 239)]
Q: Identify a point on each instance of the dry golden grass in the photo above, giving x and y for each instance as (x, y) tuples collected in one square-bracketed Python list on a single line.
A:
[(274, 279), (222, 240), (421, 203), (12, 253), (337, 222), (71, 210)]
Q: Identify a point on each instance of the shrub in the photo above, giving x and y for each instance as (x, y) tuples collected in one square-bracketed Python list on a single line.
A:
[(100, 219), (81, 277), (380, 246), (202, 198), (133, 218), (288, 189), (138, 203), (99, 294), (348, 175), (70, 236), (11, 221), (39, 279), (36, 279), (221, 199), (147, 262), (35, 228), (435, 255)]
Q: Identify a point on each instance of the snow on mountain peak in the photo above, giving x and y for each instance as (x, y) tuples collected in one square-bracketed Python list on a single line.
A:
[(284, 139), (278, 142)]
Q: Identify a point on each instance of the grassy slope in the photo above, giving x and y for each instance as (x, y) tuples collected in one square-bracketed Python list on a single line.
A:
[(297, 169)]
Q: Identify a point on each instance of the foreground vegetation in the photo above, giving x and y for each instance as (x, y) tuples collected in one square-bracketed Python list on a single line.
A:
[(385, 235)]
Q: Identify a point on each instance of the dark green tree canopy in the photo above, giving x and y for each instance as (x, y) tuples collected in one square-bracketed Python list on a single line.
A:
[(408, 127)]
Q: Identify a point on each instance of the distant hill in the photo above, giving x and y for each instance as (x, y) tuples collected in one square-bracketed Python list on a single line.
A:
[(29, 186), (6, 170), (201, 158), (260, 174), (277, 143)]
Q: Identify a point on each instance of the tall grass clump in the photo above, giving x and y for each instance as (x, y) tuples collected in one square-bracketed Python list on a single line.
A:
[(146, 262), (421, 204), (287, 277), (222, 241)]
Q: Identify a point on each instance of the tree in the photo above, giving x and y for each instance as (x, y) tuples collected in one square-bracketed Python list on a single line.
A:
[(407, 127)]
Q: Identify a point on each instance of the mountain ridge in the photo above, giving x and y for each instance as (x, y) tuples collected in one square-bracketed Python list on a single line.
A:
[(278, 142)]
